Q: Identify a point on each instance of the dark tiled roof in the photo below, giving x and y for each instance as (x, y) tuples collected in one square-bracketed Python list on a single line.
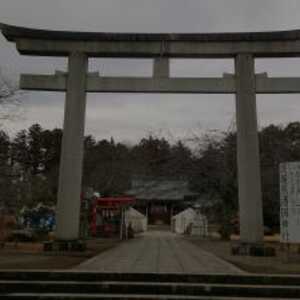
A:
[(160, 189)]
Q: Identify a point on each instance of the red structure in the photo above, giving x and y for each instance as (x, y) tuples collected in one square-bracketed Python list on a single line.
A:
[(107, 215)]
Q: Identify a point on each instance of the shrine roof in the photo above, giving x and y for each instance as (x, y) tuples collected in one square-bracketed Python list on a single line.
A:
[(166, 190)]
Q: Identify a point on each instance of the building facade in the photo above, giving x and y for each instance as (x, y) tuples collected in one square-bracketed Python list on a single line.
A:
[(160, 199)]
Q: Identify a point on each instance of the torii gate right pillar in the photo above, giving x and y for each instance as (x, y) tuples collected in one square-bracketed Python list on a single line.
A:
[(249, 178)]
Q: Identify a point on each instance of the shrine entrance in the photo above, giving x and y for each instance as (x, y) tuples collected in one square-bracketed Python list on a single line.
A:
[(245, 84)]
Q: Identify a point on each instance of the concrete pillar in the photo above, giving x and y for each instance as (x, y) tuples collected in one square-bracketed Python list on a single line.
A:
[(249, 178), (68, 203), (161, 67)]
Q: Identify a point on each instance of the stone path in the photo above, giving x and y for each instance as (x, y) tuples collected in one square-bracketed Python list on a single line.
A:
[(158, 252)]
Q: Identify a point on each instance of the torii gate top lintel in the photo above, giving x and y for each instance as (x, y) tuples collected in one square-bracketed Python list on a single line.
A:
[(60, 43), (14, 32), (134, 45)]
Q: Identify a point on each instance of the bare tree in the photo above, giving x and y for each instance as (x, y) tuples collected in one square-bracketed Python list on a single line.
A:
[(10, 96)]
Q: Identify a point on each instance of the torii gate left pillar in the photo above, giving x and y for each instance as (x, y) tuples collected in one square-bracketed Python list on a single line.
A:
[(70, 175)]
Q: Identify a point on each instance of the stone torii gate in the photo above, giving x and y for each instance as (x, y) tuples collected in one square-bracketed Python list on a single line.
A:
[(245, 84)]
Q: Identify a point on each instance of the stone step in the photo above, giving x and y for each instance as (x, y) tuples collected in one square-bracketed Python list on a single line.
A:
[(88, 285), (150, 277), (33, 296), (148, 288)]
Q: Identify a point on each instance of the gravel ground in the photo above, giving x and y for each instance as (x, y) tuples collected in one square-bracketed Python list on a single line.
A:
[(158, 252)]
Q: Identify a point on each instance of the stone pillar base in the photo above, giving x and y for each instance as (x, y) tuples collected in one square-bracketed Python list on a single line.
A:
[(251, 249), (65, 246)]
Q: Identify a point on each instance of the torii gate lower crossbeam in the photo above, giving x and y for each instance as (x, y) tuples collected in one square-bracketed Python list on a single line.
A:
[(78, 46)]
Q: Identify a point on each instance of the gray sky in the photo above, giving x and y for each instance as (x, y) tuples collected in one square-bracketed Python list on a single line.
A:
[(127, 116)]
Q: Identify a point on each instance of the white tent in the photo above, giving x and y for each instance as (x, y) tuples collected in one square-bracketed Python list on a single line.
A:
[(190, 221), (137, 220)]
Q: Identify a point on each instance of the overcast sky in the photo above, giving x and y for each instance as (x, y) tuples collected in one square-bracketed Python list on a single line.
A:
[(129, 117)]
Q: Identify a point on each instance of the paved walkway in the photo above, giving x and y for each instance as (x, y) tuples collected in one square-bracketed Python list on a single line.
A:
[(158, 252)]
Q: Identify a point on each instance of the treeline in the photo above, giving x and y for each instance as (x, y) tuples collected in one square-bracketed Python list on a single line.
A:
[(29, 166)]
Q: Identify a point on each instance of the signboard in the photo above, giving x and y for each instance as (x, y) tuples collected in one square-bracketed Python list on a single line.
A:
[(290, 202)]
